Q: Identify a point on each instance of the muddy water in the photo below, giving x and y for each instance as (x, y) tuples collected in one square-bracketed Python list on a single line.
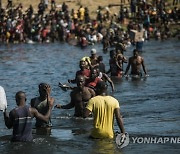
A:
[(150, 106)]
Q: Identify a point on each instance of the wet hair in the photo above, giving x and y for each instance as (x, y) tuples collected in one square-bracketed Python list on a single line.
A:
[(43, 85), (79, 77), (20, 95), (101, 85), (118, 51), (135, 50), (112, 53), (100, 58)]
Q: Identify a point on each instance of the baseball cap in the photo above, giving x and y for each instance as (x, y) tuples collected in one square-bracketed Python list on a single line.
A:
[(93, 51)]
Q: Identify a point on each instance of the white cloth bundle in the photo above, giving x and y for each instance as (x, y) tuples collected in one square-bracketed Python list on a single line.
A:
[(3, 100)]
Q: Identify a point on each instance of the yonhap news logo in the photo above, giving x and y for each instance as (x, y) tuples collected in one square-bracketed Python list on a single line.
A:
[(155, 139), (123, 141)]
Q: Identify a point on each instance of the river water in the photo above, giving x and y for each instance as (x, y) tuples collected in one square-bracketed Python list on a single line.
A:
[(150, 106)]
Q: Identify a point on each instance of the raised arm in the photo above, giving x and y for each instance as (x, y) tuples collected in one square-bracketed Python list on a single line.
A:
[(36, 114), (109, 80)]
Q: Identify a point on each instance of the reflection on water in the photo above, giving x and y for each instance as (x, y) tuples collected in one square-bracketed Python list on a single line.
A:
[(62, 134), (103, 146), (148, 105)]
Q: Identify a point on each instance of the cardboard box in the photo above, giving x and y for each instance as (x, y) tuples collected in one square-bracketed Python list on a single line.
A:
[(136, 35)]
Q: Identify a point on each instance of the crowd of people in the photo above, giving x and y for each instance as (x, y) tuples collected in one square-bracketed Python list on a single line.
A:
[(20, 118), (89, 97), (77, 27)]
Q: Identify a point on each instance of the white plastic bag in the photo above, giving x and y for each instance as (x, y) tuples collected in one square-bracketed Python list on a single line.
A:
[(3, 100)]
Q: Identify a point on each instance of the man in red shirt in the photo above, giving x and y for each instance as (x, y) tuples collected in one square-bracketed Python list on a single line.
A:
[(94, 79), (83, 71)]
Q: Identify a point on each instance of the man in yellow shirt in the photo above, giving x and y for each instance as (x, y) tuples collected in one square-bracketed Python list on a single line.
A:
[(81, 12), (103, 108)]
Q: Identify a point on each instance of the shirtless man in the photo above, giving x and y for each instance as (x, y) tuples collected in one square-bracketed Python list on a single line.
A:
[(79, 96), (94, 78), (120, 58), (135, 62), (115, 67), (93, 59), (41, 104)]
